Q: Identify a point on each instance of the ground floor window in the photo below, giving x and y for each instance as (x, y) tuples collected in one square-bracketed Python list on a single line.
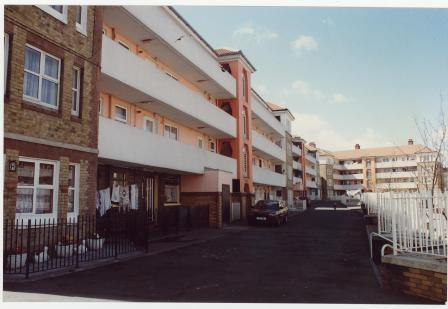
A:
[(172, 194), (73, 190), (37, 188)]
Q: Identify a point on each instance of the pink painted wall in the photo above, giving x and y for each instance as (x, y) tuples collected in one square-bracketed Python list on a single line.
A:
[(211, 181)]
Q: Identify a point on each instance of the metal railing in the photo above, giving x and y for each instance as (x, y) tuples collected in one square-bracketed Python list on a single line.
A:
[(412, 222), (39, 245)]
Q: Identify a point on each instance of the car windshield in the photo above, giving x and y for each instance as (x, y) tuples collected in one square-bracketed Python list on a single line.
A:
[(271, 205)]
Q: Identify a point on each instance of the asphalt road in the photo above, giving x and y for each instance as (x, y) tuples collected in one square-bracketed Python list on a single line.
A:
[(318, 257)]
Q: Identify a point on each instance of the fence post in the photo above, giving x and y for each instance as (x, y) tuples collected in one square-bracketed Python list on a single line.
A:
[(77, 241), (28, 256), (394, 228)]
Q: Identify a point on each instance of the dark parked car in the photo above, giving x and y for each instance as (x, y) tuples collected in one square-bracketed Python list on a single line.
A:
[(268, 212)]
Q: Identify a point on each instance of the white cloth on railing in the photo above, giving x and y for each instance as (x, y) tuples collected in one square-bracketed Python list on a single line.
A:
[(134, 197), (124, 196), (104, 201), (115, 194)]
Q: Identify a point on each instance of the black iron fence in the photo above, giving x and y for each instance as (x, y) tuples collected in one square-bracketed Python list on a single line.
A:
[(38, 245)]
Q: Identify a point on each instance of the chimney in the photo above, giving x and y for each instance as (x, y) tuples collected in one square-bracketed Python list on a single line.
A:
[(357, 146), (410, 141)]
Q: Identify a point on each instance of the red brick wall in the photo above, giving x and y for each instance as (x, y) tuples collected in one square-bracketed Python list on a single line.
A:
[(212, 200), (412, 281)]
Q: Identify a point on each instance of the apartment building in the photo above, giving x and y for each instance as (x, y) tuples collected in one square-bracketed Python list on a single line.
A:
[(269, 152), (285, 117), (312, 173), (52, 58), (405, 168)]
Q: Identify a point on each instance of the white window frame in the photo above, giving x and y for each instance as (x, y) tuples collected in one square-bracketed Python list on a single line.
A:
[(6, 58), (82, 27), (36, 185), (200, 142), (75, 213), (147, 118), (169, 136), (210, 143), (60, 16), (75, 112), (115, 114), (41, 76)]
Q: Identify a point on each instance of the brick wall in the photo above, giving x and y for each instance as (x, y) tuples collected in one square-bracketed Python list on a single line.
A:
[(212, 200), (41, 126), (418, 282)]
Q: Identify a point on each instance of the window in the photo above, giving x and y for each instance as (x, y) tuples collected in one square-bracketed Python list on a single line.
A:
[(76, 85), (6, 57), (37, 188), (200, 142), (212, 146), (57, 11), (121, 113), (171, 132), (260, 163), (149, 124), (172, 194), (244, 124), (73, 190), (244, 77), (41, 77), (100, 111), (245, 162), (81, 19), (124, 45)]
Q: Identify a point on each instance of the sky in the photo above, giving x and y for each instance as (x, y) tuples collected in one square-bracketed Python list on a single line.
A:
[(348, 75)]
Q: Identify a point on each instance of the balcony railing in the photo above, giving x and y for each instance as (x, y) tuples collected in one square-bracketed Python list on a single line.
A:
[(310, 171), (137, 80), (268, 177), (296, 165), (267, 148), (122, 142), (348, 187), (348, 177), (296, 150), (264, 119)]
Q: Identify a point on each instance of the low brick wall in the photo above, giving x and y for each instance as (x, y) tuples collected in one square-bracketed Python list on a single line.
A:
[(212, 200), (420, 282)]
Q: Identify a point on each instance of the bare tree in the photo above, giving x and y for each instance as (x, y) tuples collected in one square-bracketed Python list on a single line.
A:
[(434, 136)]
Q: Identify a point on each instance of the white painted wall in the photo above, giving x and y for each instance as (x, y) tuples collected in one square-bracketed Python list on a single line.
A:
[(262, 144), (268, 177)]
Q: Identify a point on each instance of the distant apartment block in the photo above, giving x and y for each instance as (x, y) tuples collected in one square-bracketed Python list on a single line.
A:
[(405, 168)]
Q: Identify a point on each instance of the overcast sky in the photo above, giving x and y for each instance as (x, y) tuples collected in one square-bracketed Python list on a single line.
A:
[(349, 75)]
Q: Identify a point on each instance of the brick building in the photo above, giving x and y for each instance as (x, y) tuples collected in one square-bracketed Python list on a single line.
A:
[(52, 56)]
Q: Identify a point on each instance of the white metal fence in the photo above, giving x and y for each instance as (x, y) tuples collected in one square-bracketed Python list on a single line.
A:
[(413, 222)]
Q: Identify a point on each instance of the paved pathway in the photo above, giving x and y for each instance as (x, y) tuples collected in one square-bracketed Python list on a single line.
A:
[(318, 257)]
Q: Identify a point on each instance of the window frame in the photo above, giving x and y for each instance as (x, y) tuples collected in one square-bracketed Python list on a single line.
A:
[(115, 114), (100, 108), (75, 213), (145, 119), (171, 127), (59, 16), (36, 186), (82, 27), (177, 194), (42, 76), (200, 142), (78, 92)]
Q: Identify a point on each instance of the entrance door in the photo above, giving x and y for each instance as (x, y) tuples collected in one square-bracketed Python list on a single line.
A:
[(226, 203), (148, 196)]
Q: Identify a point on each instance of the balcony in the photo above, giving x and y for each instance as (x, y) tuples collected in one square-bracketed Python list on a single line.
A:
[(353, 166), (392, 164), (296, 151), (310, 171), (139, 81), (264, 147), (121, 142), (160, 31), (296, 165), (268, 177), (264, 119), (296, 180), (311, 184), (310, 158), (396, 185), (348, 187), (396, 175), (348, 177)]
